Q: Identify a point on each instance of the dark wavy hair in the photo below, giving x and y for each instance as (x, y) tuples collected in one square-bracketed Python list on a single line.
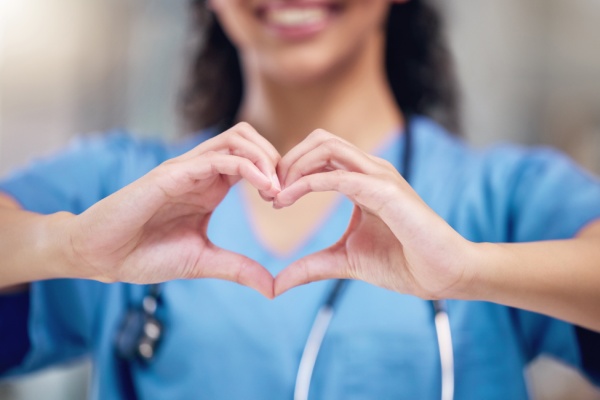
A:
[(418, 63)]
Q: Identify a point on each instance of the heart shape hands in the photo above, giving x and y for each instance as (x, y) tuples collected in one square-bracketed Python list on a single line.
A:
[(155, 229), (394, 240)]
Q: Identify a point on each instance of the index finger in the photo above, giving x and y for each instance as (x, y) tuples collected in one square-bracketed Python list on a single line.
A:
[(311, 142), (247, 131)]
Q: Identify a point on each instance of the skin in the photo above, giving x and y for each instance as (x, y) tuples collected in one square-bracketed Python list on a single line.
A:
[(155, 229), (396, 241)]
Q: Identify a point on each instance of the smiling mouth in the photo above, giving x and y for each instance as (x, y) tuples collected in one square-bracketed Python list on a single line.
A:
[(297, 19)]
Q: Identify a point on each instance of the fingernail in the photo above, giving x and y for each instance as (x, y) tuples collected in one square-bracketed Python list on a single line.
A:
[(276, 204), (275, 181)]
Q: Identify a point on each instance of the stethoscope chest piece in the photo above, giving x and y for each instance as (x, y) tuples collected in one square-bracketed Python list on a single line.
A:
[(140, 332)]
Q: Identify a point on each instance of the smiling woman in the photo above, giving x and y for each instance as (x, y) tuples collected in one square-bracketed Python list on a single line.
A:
[(339, 97)]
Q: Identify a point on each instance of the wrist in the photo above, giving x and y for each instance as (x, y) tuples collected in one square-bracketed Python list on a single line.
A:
[(58, 245), (72, 260), (482, 277), (472, 265)]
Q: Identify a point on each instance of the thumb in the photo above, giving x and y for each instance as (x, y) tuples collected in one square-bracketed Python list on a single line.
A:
[(330, 263), (222, 264)]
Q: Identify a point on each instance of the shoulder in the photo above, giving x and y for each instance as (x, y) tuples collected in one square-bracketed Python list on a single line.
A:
[(505, 192), (89, 168), (115, 144), (119, 157), (119, 143), (499, 162), (112, 153)]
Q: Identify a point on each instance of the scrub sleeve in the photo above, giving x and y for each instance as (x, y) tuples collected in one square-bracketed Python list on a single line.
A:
[(550, 198), (510, 194), (555, 199), (56, 321)]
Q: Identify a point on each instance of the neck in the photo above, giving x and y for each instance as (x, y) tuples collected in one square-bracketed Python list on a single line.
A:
[(352, 101)]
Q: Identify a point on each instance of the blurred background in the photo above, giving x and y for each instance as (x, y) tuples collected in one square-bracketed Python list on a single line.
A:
[(529, 70)]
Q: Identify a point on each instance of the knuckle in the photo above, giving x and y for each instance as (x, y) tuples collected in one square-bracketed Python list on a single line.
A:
[(332, 144), (247, 164), (231, 140), (244, 127), (210, 155), (319, 134), (168, 163), (244, 165), (386, 164)]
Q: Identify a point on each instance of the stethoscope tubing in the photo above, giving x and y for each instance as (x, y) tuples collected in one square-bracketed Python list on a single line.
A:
[(311, 351), (325, 314), (319, 330), (444, 338)]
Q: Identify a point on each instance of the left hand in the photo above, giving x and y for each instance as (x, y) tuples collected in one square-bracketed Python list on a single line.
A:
[(394, 240)]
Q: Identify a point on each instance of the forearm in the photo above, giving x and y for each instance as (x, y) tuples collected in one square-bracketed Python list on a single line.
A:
[(556, 278), (32, 247)]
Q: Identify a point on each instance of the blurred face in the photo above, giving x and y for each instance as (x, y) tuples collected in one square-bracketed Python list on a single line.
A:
[(296, 41)]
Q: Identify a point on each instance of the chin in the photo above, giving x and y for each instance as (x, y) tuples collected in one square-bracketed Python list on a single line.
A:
[(300, 41), (317, 61), (301, 69)]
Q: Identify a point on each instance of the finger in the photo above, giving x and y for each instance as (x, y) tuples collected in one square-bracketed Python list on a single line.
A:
[(246, 130), (240, 146), (265, 196), (320, 182), (330, 263), (242, 129), (332, 154), (368, 191), (181, 177), (312, 141), (176, 178), (242, 140), (225, 164), (226, 265)]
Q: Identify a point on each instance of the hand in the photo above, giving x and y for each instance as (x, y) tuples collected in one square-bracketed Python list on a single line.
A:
[(394, 240), (154, 230)]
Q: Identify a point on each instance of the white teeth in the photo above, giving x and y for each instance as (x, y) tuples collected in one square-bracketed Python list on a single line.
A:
[(296, 16)]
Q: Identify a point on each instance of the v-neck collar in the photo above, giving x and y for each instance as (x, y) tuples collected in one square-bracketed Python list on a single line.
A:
[(312, 235), (325, 232)]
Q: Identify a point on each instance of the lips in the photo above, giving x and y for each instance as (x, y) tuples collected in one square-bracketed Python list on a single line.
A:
[(296, 20)]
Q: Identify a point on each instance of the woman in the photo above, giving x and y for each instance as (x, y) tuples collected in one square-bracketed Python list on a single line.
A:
[(361, 76)]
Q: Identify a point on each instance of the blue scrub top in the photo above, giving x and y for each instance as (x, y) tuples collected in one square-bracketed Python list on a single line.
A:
[(225, 341)]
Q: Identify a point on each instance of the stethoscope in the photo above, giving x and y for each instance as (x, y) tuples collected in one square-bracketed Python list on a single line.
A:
[(321, 325), (325, 314), (141, 331)]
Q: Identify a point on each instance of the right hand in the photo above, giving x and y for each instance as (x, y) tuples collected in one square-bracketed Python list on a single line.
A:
[(155, 229)]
